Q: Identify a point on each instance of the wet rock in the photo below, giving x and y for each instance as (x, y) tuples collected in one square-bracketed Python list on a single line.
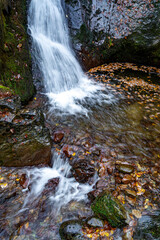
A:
[(24, 180), (107, 207), (95, 222), (51, 185), (58, 136), (24, 141), (125, 168), (102, 183), (95, 150), (118, 179), (127, 179), (148, 227), (83, 170), (125, 37), (71, 230), (130, 193), (93, 194), (86, 142), (70, 150)]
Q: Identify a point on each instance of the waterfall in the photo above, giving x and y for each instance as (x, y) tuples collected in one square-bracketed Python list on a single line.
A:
[(63, 77)]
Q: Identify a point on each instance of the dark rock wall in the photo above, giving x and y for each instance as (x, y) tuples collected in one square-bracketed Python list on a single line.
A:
[(115, 30), (15, 59)]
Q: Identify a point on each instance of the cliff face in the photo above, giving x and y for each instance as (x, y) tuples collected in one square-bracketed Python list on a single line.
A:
[(108, 30), (15, 59)]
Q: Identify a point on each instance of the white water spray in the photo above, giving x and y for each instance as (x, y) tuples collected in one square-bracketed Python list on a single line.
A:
[(68, 188), (63, 77)]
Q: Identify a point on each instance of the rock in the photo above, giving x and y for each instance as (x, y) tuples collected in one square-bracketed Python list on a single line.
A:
[(51, 185), (127, 179), (93, 194), (108, 208), (83, 170), (102, 183), (58, 136), (130, 193), (24, 140), (148, 227), (121, 36), (70, 150), (95, 222), (71, 230), (125, 168), (24, 180), (15, 74)]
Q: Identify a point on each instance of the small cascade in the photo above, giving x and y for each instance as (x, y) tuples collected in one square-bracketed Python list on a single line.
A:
[(67, 190)]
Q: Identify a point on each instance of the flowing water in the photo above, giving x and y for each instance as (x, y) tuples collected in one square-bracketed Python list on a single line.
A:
[(102, 123), (63, 78), (65, 85)]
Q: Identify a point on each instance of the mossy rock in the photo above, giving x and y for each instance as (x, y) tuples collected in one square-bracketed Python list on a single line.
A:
[(108, 208), (15, 59)]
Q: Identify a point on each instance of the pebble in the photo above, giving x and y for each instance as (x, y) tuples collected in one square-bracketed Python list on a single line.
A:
[(125, 168)]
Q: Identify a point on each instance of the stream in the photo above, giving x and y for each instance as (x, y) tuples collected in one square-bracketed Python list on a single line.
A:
[(99, 122)]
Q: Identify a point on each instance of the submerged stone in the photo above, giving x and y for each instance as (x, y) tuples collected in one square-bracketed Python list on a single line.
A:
[(58, 136), (71, 230), (108, 208)]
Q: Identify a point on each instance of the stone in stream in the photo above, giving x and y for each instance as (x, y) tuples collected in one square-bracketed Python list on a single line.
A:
[(58, 136), (95, 222), (125, 168), (51, 185), (71, 230), (24, 180), (127, 179), (70, 150), (109, 208), (83, 170)]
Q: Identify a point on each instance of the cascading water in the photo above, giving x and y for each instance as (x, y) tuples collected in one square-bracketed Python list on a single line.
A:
[(65, 85), (63, 77), (68, 189)]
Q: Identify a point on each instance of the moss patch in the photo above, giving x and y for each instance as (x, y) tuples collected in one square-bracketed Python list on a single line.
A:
[(15, 59)]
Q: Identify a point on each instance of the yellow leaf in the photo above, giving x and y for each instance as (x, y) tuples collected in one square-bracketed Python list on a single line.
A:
[(89, 235), (136, 213), (73, 154), (27, 225)]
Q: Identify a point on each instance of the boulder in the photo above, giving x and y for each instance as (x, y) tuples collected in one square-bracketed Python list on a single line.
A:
[(24, 140), (108, 30), (109, 208)]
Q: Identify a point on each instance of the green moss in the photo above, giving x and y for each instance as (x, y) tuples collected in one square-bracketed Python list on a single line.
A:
[(4, 89), (107, 207), (15, 59)]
